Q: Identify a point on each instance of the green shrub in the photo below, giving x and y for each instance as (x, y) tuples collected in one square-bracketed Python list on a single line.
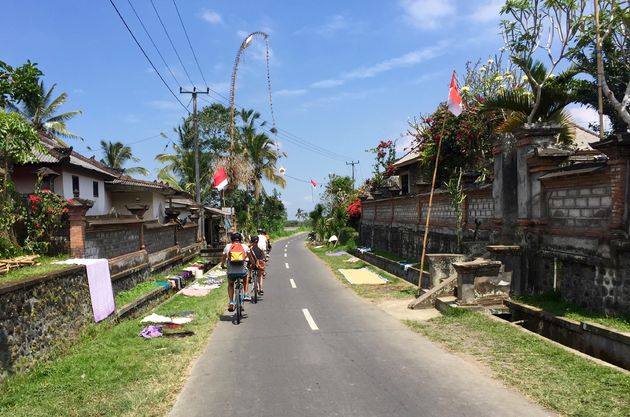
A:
[(8, 249), (347, 234), (351, 245)]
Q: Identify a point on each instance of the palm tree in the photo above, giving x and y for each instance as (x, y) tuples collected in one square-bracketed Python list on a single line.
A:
[(116, 155), (41, 110), (518, 104), (260, 153)]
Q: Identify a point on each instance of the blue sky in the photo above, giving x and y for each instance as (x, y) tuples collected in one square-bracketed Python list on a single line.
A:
[(345, 74)]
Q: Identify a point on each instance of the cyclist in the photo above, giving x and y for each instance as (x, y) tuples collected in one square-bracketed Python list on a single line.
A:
[(258, 262), (235, 254)]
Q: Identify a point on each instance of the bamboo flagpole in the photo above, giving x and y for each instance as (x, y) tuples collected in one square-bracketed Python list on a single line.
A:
[(454, 104)]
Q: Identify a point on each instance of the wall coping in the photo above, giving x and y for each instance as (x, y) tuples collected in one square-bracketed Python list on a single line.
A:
[(39, 278)]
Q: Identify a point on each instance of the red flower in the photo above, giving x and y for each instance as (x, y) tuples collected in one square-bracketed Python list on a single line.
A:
[(71, 201), (51, 210), (46, 191)]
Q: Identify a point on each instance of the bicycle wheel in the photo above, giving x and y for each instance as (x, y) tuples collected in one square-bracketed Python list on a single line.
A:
[(255, 286), (239, 306)]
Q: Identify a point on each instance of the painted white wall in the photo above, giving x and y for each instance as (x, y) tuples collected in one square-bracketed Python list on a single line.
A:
[(159, 204), (119, 200), (102, 203)]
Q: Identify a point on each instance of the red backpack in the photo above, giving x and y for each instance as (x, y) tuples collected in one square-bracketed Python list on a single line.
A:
[(236, 254)]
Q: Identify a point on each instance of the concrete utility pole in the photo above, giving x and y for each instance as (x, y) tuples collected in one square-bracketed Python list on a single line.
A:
[(353, 163), (194, 93), (600, 71)]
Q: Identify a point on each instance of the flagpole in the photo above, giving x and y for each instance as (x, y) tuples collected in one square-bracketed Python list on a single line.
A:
[(426, 224)]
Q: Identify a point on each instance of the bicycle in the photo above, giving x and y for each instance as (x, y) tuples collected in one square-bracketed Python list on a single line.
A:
[(238, 295), (254, 284)]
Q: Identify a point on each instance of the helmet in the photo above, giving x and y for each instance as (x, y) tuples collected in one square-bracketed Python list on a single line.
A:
[(236, 236), (254, 239)]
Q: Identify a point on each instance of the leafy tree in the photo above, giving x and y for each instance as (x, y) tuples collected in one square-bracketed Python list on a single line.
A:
[(553, 96), (549, 27), (115, 155), (615, 41), (42, 111), (18, 140)]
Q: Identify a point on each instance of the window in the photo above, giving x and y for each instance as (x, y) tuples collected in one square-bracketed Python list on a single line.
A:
[(404, 184), (75, 186), (95, 188), (49, 182)]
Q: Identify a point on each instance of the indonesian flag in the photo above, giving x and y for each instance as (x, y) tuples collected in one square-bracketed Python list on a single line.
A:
[(220, 179), (314, 184), (454, 101)]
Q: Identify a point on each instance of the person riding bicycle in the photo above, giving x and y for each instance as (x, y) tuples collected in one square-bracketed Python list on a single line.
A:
[(236, 255), (258, 262)]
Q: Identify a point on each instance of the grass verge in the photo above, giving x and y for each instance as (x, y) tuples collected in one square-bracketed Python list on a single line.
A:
[(552, 376), (288, 233), (395, 288), (111, 371), (46, 266), (552, 303)]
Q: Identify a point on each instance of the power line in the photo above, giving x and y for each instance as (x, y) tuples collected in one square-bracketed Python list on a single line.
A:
[(171, 42), (190, 44), (146, 56), (301, 143), (154, 44)]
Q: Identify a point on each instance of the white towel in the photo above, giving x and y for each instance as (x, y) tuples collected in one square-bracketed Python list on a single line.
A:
[(100, 282)]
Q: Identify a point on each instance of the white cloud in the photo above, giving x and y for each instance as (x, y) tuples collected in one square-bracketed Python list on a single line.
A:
[(488, 12), (211, 17), (407, 60), (165, 105), (336, 98), (287, 203), (327, 83), (427, 14), (428, 76), (331, 26), (290, 93), (583, 115), (220, 87), (131, 119)]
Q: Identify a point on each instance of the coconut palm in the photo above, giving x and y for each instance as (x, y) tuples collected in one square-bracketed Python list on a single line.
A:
[(116, 155), (260, 152), (555, 95), (42, 111)]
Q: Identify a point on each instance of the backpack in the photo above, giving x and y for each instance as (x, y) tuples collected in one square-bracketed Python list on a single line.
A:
[(236, 254)]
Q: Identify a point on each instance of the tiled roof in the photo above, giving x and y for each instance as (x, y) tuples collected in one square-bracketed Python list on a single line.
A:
[(407, 159)]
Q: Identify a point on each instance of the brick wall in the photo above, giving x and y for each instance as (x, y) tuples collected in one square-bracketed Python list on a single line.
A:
[(587, 207)]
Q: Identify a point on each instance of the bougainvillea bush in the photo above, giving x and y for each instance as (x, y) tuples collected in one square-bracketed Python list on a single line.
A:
[(44, 214), (467, 139), (384, 168)]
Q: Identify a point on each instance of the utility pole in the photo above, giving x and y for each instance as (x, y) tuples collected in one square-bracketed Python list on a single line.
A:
[(194, 92), (353, 163)]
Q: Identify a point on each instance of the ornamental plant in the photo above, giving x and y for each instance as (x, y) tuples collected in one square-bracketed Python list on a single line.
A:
[(45, 212), (384, 167), (354, 209)]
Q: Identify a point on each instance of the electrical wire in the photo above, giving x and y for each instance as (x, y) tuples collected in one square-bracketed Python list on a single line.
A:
[(154, 44), (281, 133), (147, 56), (171, 42), (190, 44)]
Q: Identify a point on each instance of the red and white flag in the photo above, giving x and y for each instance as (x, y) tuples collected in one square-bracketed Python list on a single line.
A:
[(314, 184), (454, 101), (220, 179)]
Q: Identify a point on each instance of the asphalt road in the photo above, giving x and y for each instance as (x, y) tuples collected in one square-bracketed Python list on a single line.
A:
[(312, 347)]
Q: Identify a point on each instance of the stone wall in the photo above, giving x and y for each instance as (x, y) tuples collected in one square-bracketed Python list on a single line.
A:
[(39, 315), (110, 242), (158, 237), (187, 235)]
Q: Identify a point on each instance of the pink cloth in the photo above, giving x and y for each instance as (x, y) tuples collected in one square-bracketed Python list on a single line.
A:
[(100, 282)]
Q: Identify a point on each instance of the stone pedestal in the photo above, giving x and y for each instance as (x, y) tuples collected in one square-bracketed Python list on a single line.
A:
[(77, 208), (510, 257), (467, 272), (441, 266)]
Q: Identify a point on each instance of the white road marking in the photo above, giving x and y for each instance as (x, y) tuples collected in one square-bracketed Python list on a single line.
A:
[(286, 265), (285, 255), (309, 319), (286, 246), (292, 283)]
